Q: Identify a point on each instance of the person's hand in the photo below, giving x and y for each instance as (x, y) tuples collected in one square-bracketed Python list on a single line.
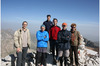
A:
[(44, 36), (18, 49)]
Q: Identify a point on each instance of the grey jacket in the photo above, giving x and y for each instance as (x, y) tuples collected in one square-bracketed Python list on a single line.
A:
[(18, 38)]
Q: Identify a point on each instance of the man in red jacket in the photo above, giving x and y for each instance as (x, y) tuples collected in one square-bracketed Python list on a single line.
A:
[(53, 33)]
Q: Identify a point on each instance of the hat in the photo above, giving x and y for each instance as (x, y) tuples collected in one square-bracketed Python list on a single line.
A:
[(43, 26), (64, 23)]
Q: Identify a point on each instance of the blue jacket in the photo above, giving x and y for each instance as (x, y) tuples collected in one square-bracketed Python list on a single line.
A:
[(41, 41)]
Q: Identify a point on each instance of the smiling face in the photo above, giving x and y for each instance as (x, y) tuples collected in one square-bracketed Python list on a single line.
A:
[(24, 25), (64, 27), (73, 28), (48, 18), (42, 29), (55, 22)]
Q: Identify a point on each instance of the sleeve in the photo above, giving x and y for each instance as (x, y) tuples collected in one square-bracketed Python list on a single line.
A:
[(29, 39), (50, 33), (79, 37), (59, 37), (68, 37), (16, 44), (39, 38), (43, 23), (52, 23), (59, 29), (47, 37)]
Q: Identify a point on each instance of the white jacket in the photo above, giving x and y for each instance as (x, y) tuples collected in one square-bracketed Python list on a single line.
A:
[(18, 38)]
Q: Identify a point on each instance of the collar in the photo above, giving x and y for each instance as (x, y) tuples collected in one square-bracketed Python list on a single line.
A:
[(23, 30), (48, 21), (64, 30), (41, 31)]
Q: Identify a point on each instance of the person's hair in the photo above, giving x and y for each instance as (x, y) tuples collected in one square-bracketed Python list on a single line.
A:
[(55, 19), (42, 26), (48, 15), (73, 24), (25, 22)]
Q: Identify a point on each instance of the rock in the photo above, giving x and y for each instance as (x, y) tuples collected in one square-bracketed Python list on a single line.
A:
[(87, 56), (8, 58)]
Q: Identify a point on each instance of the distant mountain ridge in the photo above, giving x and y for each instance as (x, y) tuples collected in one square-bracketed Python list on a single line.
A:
[(91, 44), (7, 42)]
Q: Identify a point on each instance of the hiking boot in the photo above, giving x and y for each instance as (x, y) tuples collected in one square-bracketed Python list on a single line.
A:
[(77, 64), (61, 61), (66, 61), (70, 64)]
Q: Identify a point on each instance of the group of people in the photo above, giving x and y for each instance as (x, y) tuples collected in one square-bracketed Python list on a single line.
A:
[(62, 43)]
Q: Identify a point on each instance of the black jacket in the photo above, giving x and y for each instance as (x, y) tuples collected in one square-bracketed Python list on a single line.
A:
[(48, 25), (63, 40)]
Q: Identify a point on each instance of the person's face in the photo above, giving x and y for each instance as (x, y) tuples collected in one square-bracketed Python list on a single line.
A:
[(55, 22), (73, 28), (48, 18), (42, 29), (64, 27), (24, 25)]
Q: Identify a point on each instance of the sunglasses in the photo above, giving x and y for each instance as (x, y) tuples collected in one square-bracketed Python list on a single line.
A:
[(73, 27), (64, 25)]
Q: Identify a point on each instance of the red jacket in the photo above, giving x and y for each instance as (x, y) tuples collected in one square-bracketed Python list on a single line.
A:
[(53, 32)]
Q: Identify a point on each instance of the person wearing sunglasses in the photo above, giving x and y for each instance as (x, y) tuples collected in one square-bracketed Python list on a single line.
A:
[(64, 37), (75, 42)]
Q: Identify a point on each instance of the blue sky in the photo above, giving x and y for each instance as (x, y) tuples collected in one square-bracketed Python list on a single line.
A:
[(85, 13)]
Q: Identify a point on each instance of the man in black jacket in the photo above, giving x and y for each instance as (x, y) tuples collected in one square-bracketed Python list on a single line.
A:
[(48, 23), (64, 37)]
